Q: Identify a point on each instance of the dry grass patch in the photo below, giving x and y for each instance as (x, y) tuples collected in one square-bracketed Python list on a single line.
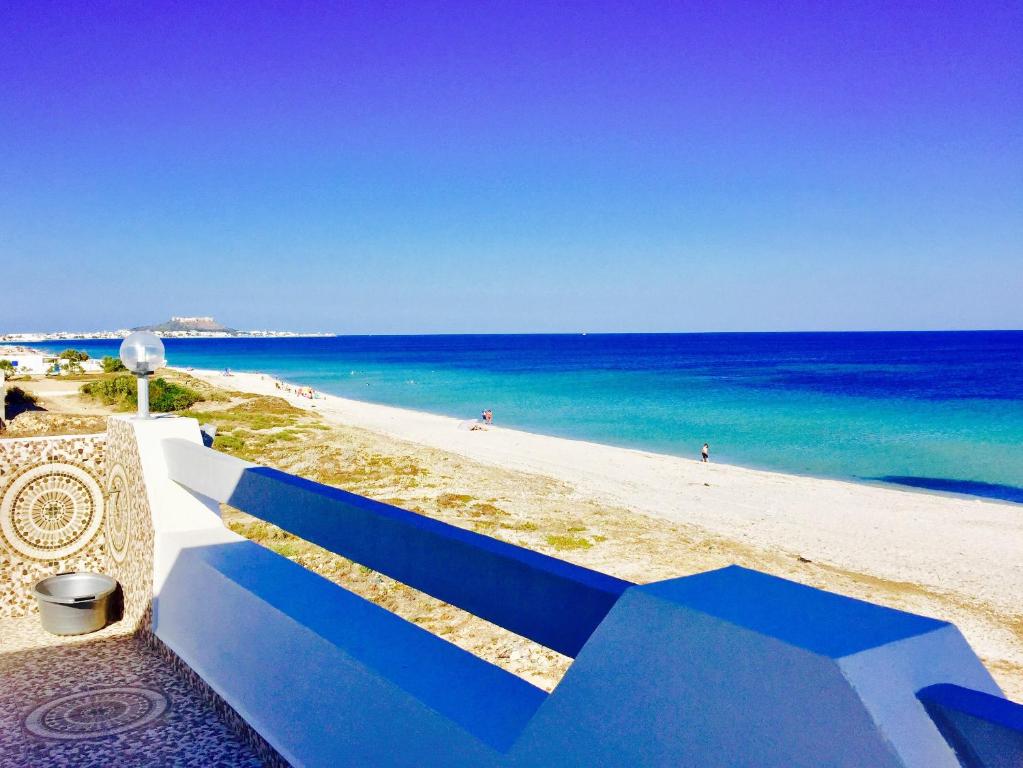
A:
[(561, 543)]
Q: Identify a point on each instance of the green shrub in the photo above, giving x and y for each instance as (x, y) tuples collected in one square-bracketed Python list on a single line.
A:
[(568, 542), (74, 359), (165, 396), (228, 443), (122, 392), (112, 364), (8, 368), (251, 415)]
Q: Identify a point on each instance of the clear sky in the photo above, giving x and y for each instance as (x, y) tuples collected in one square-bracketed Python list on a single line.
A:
[(489, 167)]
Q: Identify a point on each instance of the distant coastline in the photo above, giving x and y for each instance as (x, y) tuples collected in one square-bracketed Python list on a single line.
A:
[(177, 327), (28, 338)]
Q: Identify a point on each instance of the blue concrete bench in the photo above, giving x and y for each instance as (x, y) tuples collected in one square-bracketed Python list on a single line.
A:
[(725, 668), (986, 731), (364, 667), (554, 603)]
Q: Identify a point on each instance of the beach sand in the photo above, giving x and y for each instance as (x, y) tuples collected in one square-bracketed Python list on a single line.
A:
[(956, 558)]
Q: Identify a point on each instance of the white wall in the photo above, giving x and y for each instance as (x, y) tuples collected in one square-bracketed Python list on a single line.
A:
[(671, 677)]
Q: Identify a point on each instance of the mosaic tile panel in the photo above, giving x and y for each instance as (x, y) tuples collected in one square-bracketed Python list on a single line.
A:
[(114, 697), (96, 712), (105, 699), (128, 526), (129, 559), (51, 513), (271, 757)]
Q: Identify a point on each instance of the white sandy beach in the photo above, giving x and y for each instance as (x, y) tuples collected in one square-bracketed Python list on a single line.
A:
[(969, 547)]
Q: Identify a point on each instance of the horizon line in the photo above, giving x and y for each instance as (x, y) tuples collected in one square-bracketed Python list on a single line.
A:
[(332, 334)]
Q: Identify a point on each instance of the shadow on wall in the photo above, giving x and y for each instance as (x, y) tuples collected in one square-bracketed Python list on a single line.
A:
[(374, 677)]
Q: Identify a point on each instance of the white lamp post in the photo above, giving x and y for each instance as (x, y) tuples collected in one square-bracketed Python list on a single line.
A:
[(142, 353)]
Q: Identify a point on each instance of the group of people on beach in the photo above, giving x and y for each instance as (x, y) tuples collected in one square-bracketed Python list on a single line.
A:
[(307, 392), (486, 419)]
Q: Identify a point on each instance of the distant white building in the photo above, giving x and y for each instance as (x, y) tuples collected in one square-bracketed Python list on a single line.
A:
[(192, 320)]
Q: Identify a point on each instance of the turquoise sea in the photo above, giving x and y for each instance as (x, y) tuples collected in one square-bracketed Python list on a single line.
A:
[(935, 410)]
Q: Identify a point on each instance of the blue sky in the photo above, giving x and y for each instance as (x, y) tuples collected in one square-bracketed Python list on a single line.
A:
[(492, 167)]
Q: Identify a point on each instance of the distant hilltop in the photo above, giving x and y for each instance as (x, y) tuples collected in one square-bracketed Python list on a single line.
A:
[(186, 324)]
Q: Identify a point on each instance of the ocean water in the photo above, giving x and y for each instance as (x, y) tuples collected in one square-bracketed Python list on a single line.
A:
[(933, 410)]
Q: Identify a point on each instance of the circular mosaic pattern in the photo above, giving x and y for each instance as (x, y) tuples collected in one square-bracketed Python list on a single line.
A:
[(91, 714), (118, 519), (51, 511)]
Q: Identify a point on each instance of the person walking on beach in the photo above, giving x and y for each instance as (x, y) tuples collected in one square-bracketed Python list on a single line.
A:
[(705, 453)]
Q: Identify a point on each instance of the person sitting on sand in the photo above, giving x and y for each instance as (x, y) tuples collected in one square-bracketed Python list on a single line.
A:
[(488, 416), (705, 453)]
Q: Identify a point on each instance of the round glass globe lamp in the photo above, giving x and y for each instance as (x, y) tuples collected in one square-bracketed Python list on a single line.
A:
[(142, 353)]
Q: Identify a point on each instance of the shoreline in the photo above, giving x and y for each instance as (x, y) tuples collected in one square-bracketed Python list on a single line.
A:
[(928, 468), (870, 482), (946, 543)]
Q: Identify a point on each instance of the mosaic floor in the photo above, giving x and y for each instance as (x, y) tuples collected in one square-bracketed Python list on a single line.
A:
[(102, 699)]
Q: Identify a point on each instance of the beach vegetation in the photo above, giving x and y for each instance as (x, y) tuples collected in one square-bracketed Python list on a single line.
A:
[(268, 404), (165, 396), (228, 443), (289, 549), (229, 419), (210, 393), (258, 414), (568, 542), (284, 434), (112, 364), (122, 393), (526, 526), (358, 471), (454, 500), (73, 359), (270, 536), (8, 369), (486, 509)]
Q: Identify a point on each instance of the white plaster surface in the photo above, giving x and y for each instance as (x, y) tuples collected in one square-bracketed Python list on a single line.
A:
[(329, 679)]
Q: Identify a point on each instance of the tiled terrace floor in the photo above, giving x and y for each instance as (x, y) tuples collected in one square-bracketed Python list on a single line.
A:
[(103, 699)]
